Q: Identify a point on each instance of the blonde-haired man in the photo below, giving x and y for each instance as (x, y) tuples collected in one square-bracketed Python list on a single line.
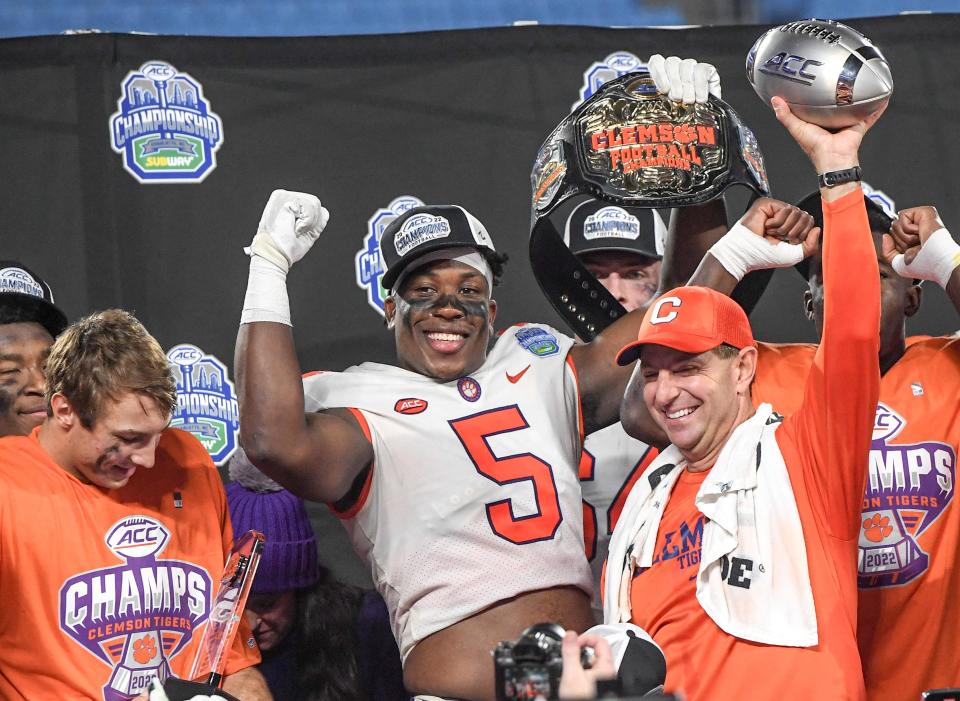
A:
[(109, 566)]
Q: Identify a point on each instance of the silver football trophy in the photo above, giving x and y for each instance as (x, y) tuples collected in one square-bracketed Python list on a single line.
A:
[(211, 659)]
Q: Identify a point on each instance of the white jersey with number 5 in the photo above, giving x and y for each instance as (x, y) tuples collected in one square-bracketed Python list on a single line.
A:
[(473, 497)]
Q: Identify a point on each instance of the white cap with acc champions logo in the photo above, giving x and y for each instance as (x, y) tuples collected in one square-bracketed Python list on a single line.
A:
[(597, 225)]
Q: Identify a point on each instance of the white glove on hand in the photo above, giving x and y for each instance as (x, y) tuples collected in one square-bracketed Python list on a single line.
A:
[(158, 694), (741, 251), (938, 257), (684, 80), (291, 222)]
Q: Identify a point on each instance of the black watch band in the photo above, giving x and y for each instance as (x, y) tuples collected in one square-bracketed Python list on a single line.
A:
[(838, 177)]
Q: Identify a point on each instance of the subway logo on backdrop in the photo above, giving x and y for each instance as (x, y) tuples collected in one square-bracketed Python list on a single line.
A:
[(163, 127)]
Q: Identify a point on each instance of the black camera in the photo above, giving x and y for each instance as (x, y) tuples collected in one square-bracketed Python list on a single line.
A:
[(530, 667)]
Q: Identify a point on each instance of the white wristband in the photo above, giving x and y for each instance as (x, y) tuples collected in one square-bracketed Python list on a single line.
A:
[(266, 298), (741, 251), (936, 261)]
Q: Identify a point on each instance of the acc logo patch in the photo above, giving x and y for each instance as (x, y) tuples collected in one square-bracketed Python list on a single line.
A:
[(163, 127), (538, 341), (611, 222), (613, 66), (886, 423), (410, 406), (206, 401), (368, 263), (135, 617), (136, 537), (19, 281), (420, 229)]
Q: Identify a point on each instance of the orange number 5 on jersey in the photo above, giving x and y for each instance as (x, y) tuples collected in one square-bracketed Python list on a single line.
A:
[(473, 431)]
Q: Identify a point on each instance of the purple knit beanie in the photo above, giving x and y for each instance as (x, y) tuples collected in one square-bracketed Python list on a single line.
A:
[(256, 502)]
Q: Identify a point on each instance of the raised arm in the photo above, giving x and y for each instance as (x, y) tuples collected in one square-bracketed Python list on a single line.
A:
[(316, 456), (693, 230), (920, 247), (834, 423)]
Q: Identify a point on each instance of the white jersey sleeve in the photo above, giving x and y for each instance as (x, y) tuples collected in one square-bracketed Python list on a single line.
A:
[(473, 496), (611, 463)]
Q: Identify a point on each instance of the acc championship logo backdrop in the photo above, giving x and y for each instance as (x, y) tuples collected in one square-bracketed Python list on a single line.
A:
[(164, 128), (368, 264), (206, 400)]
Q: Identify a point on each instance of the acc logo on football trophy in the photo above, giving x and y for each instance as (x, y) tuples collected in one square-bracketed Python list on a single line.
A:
[(163, 126), (908, 487), (791, 67), (135, 617), (368, 264), (613, 66), (206, 401)]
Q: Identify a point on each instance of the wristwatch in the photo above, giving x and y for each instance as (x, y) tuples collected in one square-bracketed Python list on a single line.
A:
[(838, 177)]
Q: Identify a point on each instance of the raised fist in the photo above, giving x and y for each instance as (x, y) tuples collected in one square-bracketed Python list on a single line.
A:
[(913, 227), (684, 79), (772, 234), (919, 246), (290, 223), (778, 221)]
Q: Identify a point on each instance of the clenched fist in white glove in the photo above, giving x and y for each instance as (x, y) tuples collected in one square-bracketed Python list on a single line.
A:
[(684, 80), (290, 224)]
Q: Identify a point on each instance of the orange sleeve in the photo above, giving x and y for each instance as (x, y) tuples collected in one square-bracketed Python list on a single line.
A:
[(834, 423)]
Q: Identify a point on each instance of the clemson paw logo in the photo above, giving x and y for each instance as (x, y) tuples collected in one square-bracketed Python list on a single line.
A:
[(144, 649), (876, 529)]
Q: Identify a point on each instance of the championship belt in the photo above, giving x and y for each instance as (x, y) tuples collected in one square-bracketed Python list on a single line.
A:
[(630, 145)]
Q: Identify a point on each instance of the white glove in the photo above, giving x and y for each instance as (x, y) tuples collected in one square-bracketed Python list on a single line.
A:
[(684, 80), (291, 222), (938, 257), (158, 694), (741, 251)]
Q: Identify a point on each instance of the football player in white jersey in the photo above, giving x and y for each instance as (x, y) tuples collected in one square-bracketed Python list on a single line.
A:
[(455, 471), (619, 245)]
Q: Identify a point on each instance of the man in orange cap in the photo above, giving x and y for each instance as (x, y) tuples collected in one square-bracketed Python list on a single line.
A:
[(737, 551)]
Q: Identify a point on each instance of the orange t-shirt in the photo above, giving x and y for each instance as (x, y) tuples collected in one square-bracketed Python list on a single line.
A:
[(909, 619), (824, 446), (105, 589)]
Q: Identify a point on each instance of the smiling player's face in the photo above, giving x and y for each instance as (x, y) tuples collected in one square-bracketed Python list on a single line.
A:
[(442, 317), (24, 347)]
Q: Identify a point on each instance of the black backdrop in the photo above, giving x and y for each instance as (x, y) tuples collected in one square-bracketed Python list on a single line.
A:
[(446, 116)]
